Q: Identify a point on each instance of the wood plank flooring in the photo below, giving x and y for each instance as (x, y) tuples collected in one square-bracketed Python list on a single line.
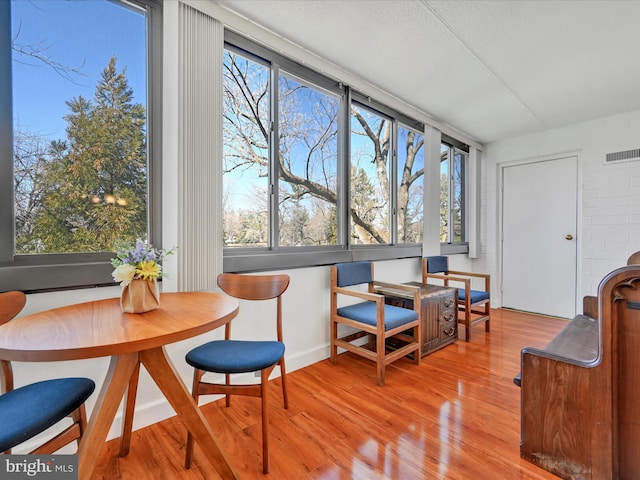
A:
[(456, 416)]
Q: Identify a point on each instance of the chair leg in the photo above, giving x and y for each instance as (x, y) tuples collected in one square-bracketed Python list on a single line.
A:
[(79, 418), (487, 310), (380, 354), (264, 382), (417, 355), (283, 379), (227, 397), (467, 318), (197, 376), (334, 347), (82, 414)]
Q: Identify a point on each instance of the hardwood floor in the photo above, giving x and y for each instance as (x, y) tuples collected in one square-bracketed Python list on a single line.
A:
[(456, 416)]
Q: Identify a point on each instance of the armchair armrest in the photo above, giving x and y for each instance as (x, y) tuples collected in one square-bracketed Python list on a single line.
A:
[(484, 276), (450, 278), (371, 297)]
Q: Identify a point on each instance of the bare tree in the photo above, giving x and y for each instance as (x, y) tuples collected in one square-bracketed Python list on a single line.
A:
[(309, 171), (30, 157), (37, 52)]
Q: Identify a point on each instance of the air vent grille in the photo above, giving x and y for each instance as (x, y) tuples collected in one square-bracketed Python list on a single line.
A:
[(626, 156)]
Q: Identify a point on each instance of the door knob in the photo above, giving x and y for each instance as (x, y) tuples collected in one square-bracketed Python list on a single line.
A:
[(569, 236)]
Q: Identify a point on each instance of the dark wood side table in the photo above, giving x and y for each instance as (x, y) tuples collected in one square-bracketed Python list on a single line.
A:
[(438, 312)]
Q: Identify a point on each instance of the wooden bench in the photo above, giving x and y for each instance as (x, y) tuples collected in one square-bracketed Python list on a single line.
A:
[(580, 395), (577, 343)]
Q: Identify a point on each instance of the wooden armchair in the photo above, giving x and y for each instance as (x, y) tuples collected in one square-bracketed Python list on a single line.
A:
[(476, 304), (372, 318), (29, 410)]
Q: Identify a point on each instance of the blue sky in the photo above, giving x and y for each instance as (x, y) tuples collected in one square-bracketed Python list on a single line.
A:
[(73, 32)]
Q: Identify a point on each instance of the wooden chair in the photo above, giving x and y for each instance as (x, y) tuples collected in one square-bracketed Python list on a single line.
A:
[(239, 356), (372, 318), (472, 302), (29, 410)]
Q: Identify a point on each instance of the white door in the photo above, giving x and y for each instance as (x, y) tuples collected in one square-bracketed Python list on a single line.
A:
[(539, 226)]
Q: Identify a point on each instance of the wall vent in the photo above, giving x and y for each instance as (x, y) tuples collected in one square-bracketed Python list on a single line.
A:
[(626, 156)]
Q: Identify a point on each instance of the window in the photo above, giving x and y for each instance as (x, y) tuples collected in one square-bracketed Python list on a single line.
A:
[(313, 171), (299, 208), (369, 187), (410, 184), (376, 202), (247, 128), (453, 163), (308, 164), (77, 117)]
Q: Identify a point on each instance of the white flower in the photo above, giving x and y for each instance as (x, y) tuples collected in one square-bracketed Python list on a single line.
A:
[(124, 274)]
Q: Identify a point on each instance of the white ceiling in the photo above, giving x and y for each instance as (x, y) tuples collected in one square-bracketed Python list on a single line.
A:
[(490, 69)]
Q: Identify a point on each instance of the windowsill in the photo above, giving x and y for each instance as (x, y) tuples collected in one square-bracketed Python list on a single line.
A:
[(268, 260), (37, 273), (453, 248)]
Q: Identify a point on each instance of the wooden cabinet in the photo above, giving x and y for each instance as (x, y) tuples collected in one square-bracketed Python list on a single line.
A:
[(438, 312)]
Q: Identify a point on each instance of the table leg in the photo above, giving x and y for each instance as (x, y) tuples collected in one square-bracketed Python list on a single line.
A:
[(118, 376), (168, 380), (128, 411)]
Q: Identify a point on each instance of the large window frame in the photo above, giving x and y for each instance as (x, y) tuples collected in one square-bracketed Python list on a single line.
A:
[(274, 256), (42, 272), (457, 155), (397, 121)]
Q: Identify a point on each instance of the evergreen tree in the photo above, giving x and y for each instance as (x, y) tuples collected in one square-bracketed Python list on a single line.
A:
[(95, 187)]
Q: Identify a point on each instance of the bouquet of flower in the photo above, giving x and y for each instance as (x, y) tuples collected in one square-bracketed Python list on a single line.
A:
[(140, 261)]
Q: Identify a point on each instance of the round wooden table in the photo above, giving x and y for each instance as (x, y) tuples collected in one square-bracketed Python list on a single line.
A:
[(99, 329)]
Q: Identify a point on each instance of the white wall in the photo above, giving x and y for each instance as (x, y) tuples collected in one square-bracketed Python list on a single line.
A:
[(609, 223)]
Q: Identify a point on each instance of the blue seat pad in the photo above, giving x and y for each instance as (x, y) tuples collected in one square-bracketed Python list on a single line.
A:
[(235, 356), (365, 312), (476, 295), (27, 411)]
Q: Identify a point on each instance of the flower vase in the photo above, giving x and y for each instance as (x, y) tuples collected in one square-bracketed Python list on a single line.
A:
[(140, 296)]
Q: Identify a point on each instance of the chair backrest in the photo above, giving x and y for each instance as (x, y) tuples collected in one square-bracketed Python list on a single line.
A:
[(353, 273), (437, 264), (253, 287), (11, 304)]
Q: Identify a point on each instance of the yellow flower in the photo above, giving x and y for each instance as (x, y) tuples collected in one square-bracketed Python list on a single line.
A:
[(148, 270), (124, 274)]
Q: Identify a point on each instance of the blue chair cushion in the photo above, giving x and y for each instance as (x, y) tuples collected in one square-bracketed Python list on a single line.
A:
[(476, 295), (354, 273), (365, 312), (235, 356), (437, 264), (27, 411)]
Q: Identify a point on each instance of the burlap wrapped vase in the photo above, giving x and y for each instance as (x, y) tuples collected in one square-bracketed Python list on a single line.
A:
[(140, 296)]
